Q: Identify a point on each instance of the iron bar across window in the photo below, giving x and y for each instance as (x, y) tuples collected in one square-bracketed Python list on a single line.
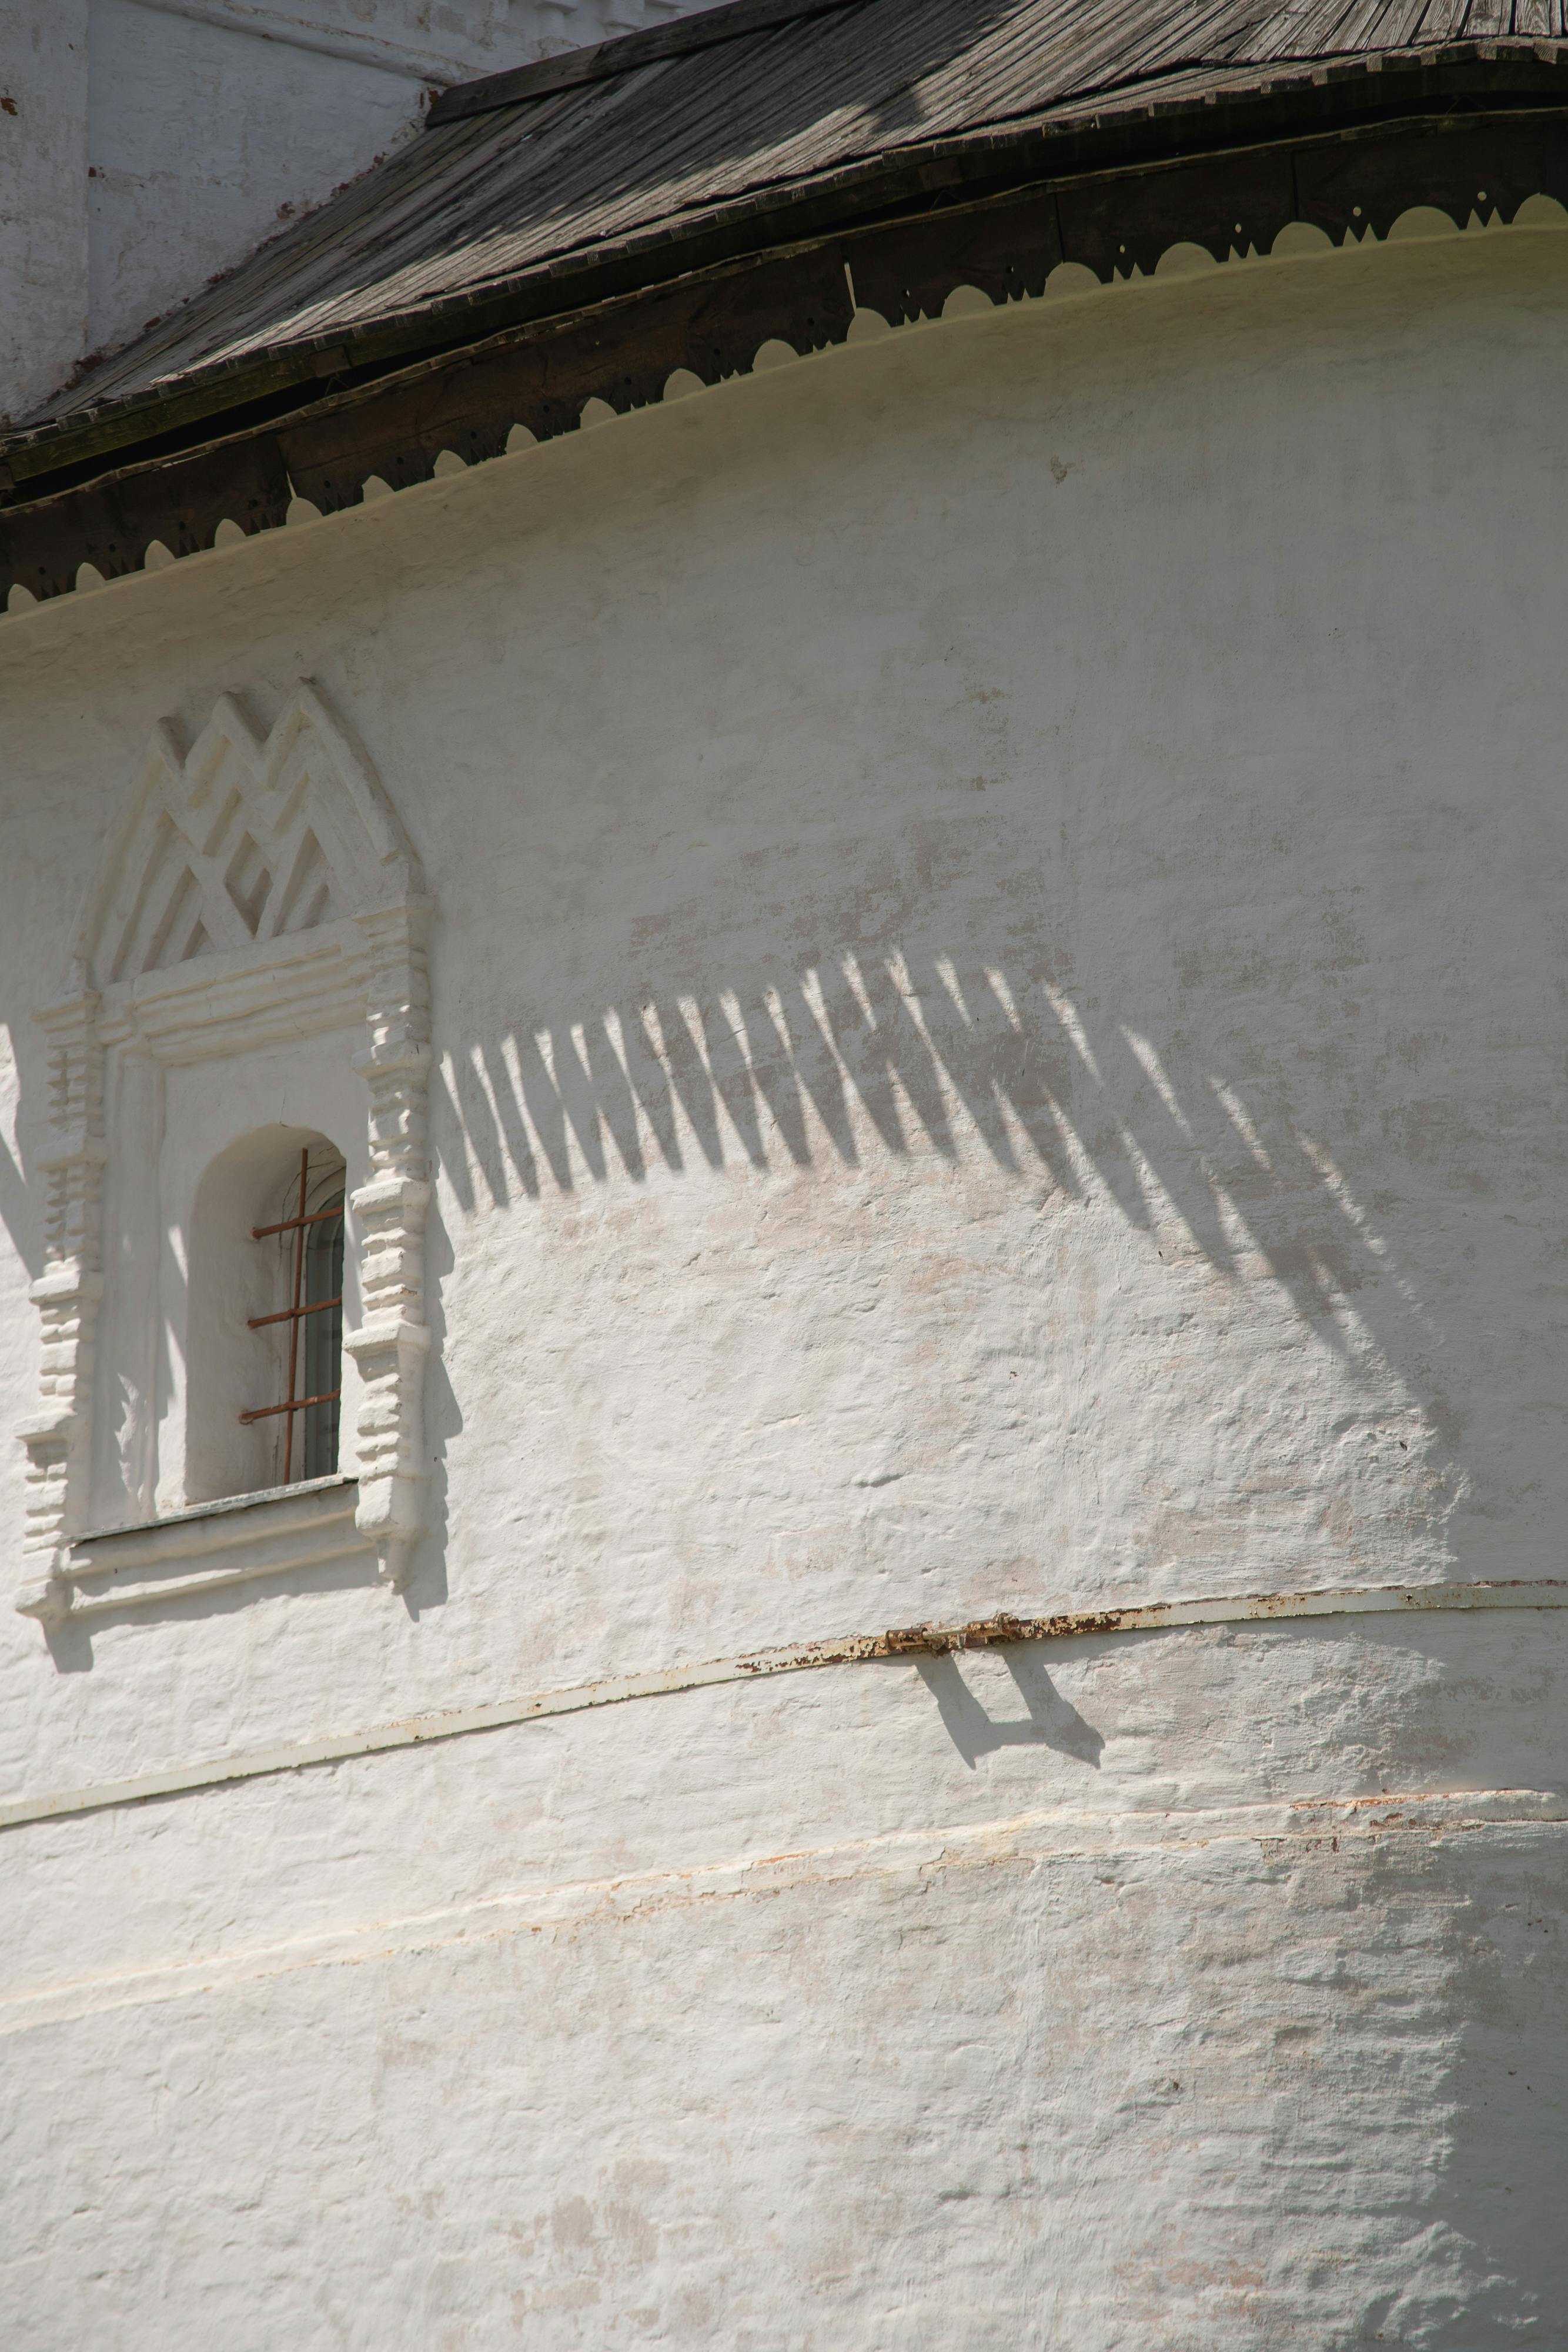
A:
[(316, 1283)]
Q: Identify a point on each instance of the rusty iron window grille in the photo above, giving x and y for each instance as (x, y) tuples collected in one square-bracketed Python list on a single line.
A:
[(314, 1320)]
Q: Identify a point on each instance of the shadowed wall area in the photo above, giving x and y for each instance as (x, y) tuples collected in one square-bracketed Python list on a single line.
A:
[(1260, 1091), (941, 1053)]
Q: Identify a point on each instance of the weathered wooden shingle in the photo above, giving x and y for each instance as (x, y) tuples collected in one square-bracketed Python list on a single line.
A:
[(518, 182)]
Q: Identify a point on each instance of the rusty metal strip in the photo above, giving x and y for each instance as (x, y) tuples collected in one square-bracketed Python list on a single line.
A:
[(901, 1642)]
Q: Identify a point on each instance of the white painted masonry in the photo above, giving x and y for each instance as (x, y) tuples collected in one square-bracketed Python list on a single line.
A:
[(257, 933), (996, 984), (146, 145)]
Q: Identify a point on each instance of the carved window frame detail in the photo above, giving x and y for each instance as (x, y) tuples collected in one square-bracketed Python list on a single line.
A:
[(362, 966)]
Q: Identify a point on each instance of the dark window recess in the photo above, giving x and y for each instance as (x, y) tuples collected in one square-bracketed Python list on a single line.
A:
[(314, 1320)]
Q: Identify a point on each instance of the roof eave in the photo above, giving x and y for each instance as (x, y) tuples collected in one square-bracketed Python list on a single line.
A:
[(982, 212), (1113, 129)]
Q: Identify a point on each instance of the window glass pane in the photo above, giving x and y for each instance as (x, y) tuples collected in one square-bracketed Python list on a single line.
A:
[(323, 1337)]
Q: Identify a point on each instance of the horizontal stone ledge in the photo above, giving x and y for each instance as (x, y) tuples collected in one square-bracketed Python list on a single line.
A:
[(1155, 1617), (1220, 1835)]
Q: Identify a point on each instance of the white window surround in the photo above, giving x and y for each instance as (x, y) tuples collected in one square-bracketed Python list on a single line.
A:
[(259, 894)]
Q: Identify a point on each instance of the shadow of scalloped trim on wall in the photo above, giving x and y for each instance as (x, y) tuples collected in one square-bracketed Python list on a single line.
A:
[(1297, 241)]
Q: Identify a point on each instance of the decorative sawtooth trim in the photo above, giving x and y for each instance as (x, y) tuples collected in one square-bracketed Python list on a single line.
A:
[(524, 387), (1299, 241), (393, 1337), (239, 980), (67, 1292)]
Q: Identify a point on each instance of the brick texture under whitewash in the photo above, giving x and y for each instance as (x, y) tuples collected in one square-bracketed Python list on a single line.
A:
[(940, 1715)]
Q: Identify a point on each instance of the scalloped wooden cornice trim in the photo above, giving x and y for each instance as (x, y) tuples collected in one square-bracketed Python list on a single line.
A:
[(536, 383)]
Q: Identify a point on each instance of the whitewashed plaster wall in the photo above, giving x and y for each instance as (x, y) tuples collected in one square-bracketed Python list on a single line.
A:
[(998, 996), (146, 145), (43, 192)]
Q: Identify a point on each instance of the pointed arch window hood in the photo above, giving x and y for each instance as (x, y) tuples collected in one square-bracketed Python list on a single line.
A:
[(257, 891)]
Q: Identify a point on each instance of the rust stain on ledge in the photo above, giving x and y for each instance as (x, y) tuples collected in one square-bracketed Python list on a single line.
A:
[(933, 1640), (938, 1641)]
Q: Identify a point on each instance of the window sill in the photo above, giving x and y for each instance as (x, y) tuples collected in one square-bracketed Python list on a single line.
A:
[(210, 1547)]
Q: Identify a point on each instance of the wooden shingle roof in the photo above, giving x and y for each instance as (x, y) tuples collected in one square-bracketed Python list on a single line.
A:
[(754, 109), (570, 235)]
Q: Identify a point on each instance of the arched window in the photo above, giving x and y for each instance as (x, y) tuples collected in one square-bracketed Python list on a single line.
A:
[(257, 888), (259, 1387), (302, 1357)]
